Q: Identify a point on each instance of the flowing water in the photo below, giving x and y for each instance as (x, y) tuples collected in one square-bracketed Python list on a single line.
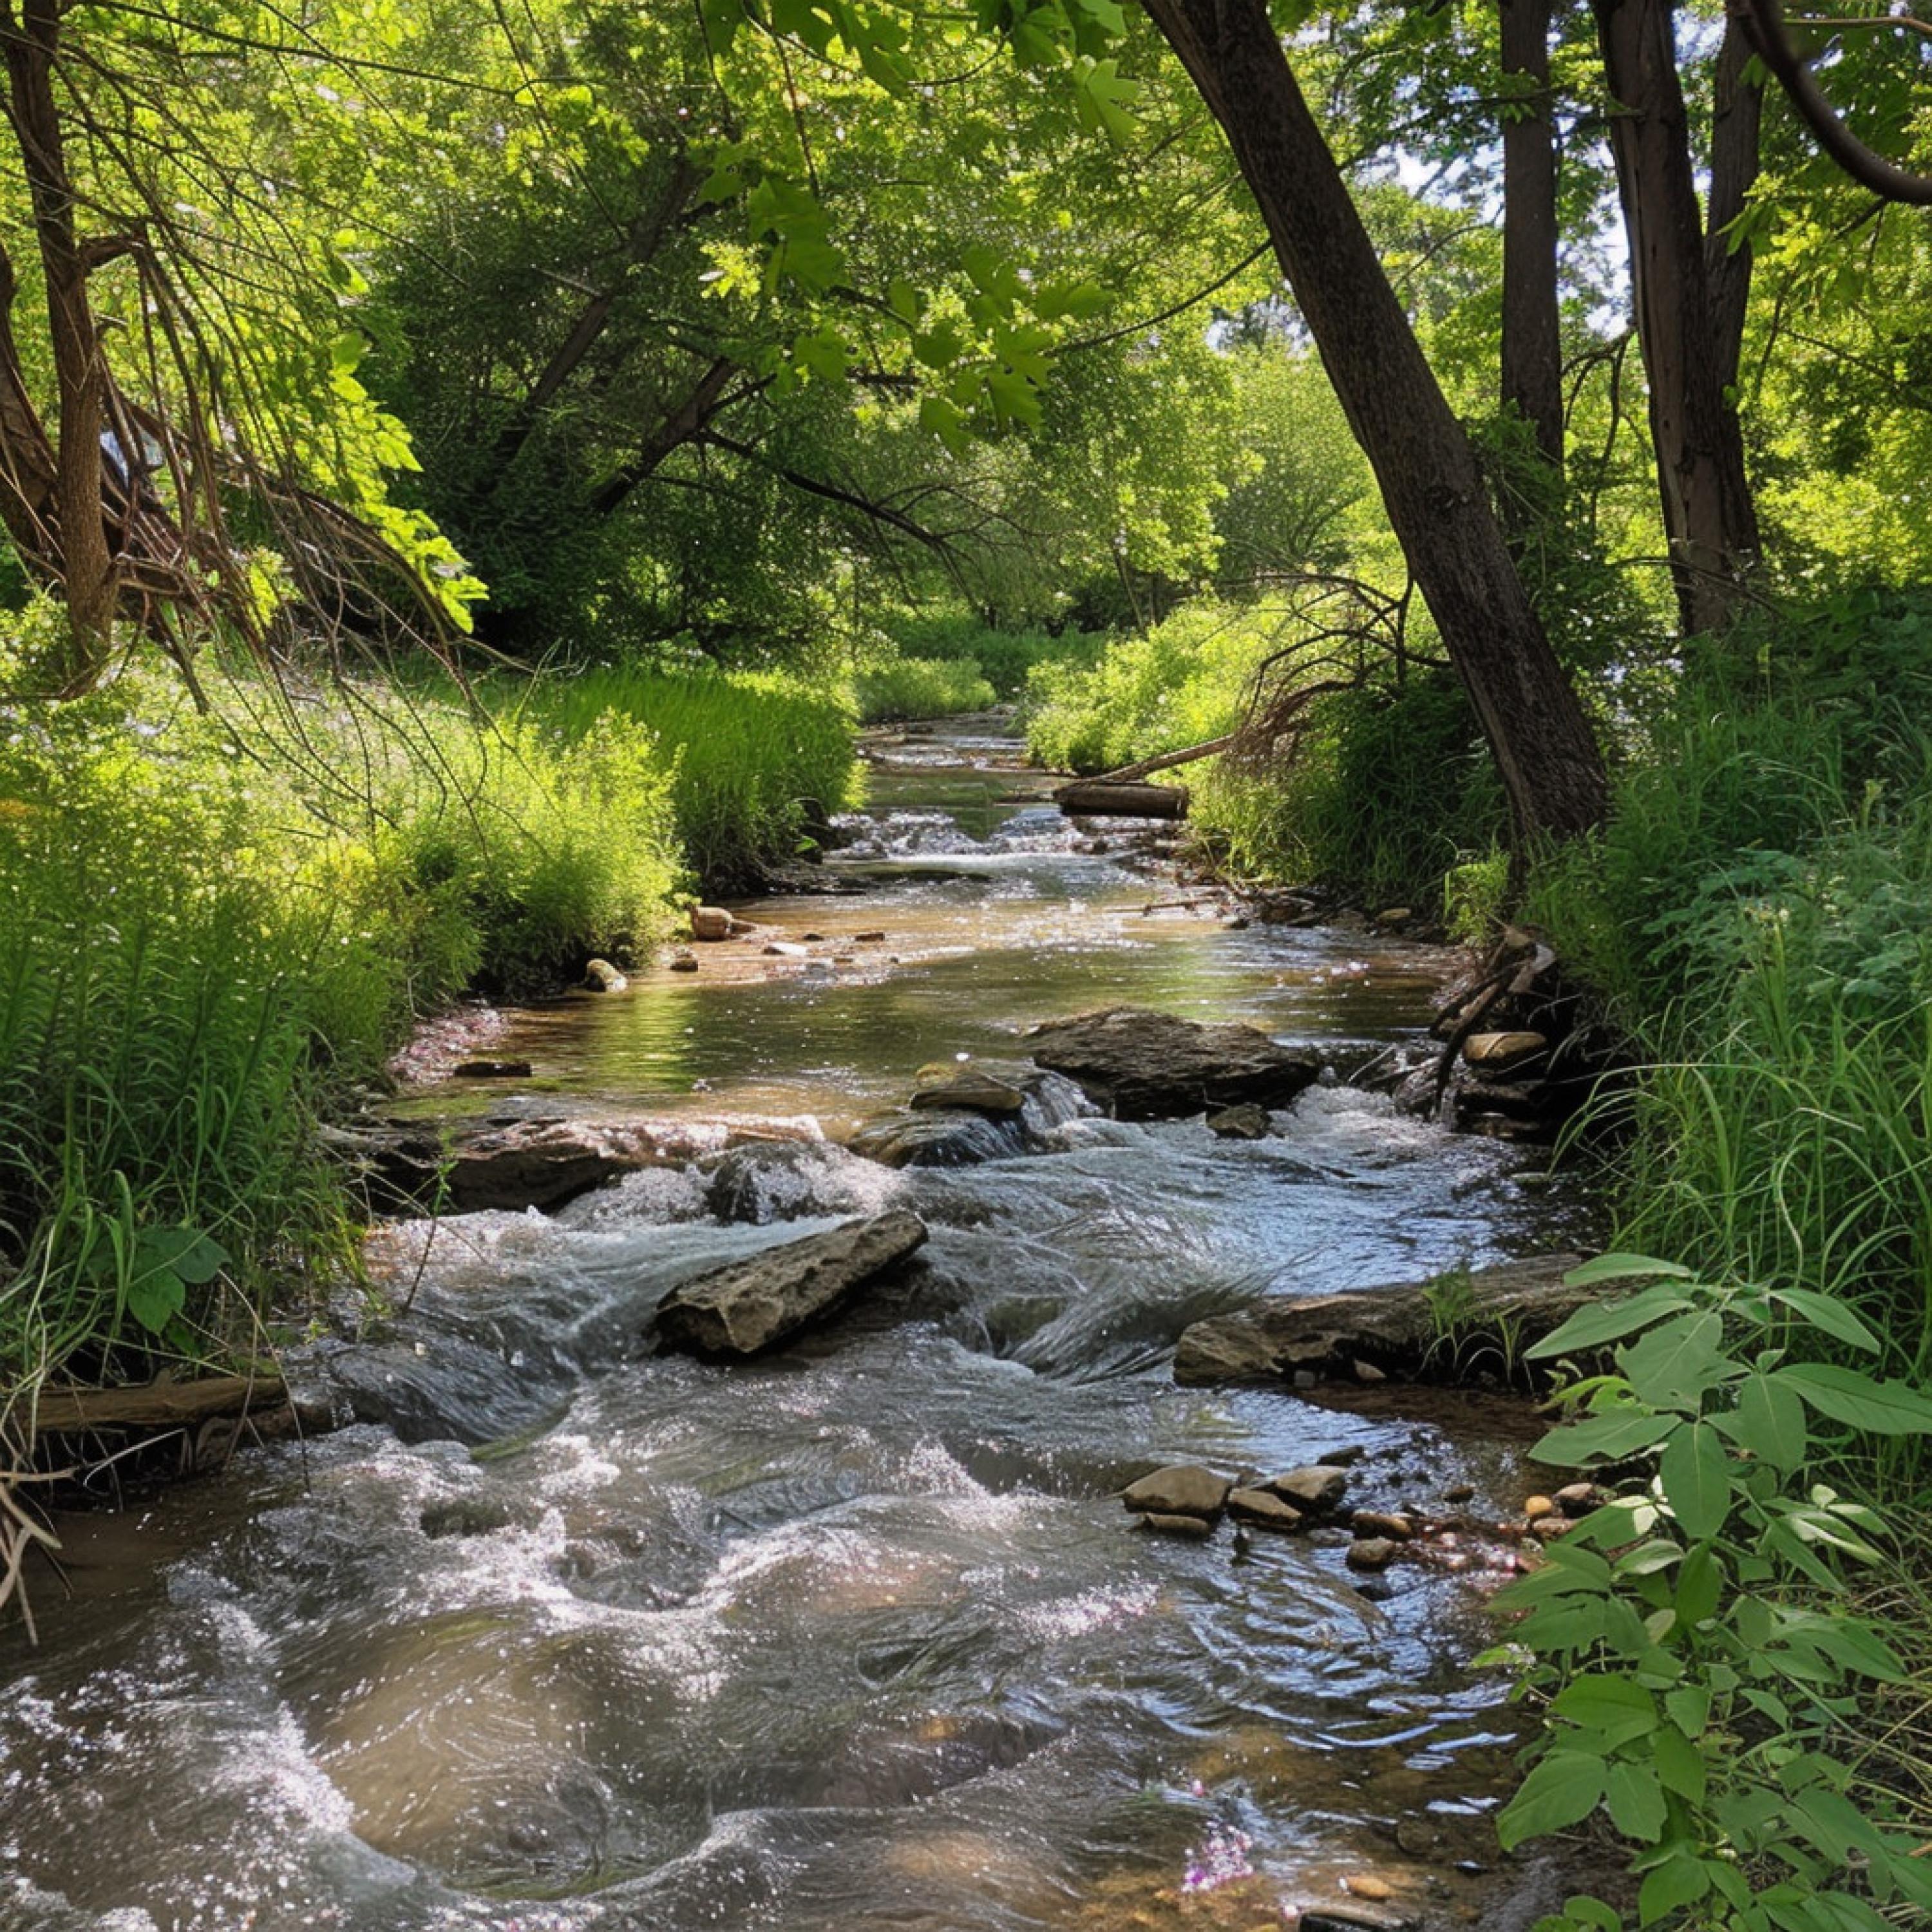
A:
[(858, 1636)]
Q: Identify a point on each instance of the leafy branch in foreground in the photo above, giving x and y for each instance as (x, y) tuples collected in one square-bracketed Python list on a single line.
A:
[(1702, 1670)]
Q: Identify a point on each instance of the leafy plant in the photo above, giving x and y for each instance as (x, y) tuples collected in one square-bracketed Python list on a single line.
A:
[(1691, 1637)]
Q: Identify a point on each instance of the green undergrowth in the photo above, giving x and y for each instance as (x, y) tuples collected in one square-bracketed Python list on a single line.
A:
[(922, 688), (1733, 1656), (1005, 658), (1759, 915), (212, 927), (1382, 788), (756, 758)]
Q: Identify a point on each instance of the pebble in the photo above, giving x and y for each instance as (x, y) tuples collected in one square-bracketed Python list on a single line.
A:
[(868, 938), (1578, 1499), (1373, 1553), (1184, 1489), (1162, 1524), (1547, 1529), (1538, 1506), (1382, 1523), (681, 962), (1362, 1885), (1462, 1493)]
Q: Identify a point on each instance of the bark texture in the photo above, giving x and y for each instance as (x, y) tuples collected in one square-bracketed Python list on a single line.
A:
[(1532, 351), (1709, 518), (1544, 749)]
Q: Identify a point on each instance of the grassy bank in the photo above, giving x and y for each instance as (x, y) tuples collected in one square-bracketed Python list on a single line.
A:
[(755, 758), (1735, 1655), (1381, 786), (212, 927)]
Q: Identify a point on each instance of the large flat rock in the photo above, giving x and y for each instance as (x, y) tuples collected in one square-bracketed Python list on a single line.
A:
[(1416, 1331), (1147, 1066), (535, 1163), (747, 1306)]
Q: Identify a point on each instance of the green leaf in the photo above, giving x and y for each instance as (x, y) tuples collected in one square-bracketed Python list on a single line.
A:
[(1696, 1475), (1677, 1883), (1637, 1805), (1625, 1268), (1676, 1366), (1689, 1709), (1699, 1584), (1770, 1423), (1885, 1408), (938, 418), (1607, 1322), (1828, 1315), (1619, 1709), (155, 1299), (1608, 1438), (1680, 1764), (1563, 1787)]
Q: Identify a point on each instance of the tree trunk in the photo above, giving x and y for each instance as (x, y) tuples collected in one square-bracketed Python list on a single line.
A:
[(87, 566), (1736, 113), (1709, 518), (1532, 351), (1550, 762)]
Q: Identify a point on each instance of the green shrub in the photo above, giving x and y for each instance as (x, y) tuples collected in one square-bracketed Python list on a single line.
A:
[(922, 688), (758, 756), (1702, 1667), (1005, 658)]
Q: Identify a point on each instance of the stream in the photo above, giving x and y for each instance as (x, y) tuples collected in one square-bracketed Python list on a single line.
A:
[(858, 1636)]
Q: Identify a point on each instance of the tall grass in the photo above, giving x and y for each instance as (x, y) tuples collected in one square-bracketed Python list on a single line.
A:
[(922, 688), (201, 944), (757, 758), (1760, 911), (1005, 658)]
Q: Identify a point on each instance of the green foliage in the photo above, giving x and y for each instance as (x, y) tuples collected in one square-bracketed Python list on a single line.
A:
[(1759, 909), (198, 947), (922, 688), (1701, 1669), (756, 756), (1005, 658)]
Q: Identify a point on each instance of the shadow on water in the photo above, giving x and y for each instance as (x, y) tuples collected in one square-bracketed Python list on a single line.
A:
[(857, 1637)]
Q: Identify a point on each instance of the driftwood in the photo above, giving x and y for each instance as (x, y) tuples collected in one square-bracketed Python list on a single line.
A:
[(1107, 798), (157, 1405)]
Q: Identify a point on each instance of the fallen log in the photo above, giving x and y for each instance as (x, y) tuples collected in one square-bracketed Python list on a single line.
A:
[(157, 1405), (1104, 798)]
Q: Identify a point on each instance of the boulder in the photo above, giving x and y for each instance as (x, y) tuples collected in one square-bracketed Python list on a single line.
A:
[(491, 1070), (1314, 1490), (1500, 1052), (1186, 1489), (1148, 1065), (1264, 1511), (1247, 1122), (683, 961), (601, 977), (710, 923), (1397, 1328), (535, 1163), (747, 1306)]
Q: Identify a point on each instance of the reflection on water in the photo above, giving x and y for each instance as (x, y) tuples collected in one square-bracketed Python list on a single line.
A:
[(857, 1637)]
